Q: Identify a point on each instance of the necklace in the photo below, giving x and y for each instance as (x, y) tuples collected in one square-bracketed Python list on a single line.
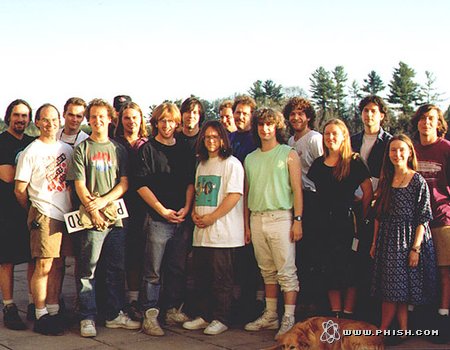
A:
[(401, 182)]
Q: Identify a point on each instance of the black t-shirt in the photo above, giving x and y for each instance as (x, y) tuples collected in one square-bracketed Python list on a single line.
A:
[(334, 194), (9, 148), (166, 171)]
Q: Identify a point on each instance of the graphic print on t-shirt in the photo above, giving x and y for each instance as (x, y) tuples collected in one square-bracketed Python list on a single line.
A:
[(102, 161), (429, 169), (55, 173), (207, 190)]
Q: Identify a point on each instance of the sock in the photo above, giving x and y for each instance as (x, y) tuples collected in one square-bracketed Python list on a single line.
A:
[(443, 312), (289, 310), (271, 304), (53, 309), (7, 302), (41, 312), (410, 307), (132, 295), (260, 295), (348, 312), (30, 299)]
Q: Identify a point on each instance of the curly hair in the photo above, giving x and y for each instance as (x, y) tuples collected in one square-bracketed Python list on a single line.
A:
[(382, 106), (304, 105), (268, 115)]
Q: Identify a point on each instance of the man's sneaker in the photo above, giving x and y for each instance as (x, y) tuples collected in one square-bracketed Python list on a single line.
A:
[(48, 325), (175, 316), (198, 323), (151, 325), (123, 321), (268, 320), (11, 318), (215, 327), (87, 329), (133, 312), (287, 323), (31, 312)]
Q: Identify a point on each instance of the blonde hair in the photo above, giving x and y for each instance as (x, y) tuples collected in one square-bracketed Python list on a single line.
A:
[(342, 168)]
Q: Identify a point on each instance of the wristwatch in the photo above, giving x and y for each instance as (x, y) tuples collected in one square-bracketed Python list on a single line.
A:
[(298, 218), (416, 249)]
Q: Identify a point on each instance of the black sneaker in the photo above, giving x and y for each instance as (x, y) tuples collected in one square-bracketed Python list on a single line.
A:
[(443, 325), (11, 318), (48, 325), (31, 312), (133, 312)]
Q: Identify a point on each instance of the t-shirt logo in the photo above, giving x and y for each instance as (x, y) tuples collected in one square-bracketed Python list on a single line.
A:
[(102, 161), (207, 190), (55, 173)]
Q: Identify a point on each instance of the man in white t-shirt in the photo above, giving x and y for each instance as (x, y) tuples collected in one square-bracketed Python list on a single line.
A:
[(41, 181), (308, 143), (73, 115)]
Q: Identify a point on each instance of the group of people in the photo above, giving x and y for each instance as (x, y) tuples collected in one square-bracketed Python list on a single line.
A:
[(256, 212)]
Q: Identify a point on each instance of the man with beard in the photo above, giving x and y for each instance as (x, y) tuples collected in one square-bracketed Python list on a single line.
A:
[(15, 247)]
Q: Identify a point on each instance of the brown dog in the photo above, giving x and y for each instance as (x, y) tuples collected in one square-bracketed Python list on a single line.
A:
[(327, 333)]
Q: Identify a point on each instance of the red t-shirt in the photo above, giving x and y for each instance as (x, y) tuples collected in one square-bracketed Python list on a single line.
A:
[(434, 166)]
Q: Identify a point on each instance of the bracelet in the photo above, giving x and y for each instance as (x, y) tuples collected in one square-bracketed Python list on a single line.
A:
[(416, 250)]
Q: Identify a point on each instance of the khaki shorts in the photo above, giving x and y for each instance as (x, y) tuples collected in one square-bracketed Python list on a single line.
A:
[(45, 235), (441, 240)]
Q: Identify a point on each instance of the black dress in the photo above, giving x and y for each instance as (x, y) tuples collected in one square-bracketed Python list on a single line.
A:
[(336, 228)]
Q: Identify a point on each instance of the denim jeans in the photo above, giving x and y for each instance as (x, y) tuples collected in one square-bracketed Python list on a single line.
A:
[(108, 245), (164, 258)]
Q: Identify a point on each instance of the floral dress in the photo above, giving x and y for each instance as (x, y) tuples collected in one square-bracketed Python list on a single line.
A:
[(393, 279)]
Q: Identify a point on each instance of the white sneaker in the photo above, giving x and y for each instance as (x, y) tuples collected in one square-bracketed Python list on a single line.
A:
[(287, 323), (198, 323), (268, 320), (215, 327), (123, 321), (151, 325), (87, 329), (176, 316)]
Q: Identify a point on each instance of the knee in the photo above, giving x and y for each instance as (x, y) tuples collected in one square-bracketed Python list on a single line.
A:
[(43, 266)]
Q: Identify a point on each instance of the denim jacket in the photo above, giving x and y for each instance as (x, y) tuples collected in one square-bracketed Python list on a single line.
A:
[(375, 159)]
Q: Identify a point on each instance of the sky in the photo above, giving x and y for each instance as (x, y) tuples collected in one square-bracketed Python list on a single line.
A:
[(154, 50)]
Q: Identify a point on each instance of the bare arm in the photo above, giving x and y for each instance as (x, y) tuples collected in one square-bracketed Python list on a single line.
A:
[(224, 208), (188, 203), (366, 187), (295, 177), (414, 256), (7, 173), (247, 231), (20, 190), (373, 247), (149, 197), (117, 192)]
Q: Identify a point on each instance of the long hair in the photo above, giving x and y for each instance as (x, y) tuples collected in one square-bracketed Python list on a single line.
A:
[(264, 115), (225, 147), (384, 190), (442, 126), (163, 110), (142, 128), (342, 168)]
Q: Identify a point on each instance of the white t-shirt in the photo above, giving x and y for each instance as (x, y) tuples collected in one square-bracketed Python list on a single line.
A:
[(214, 180), (72, 140), (44, 167), (309, 147)]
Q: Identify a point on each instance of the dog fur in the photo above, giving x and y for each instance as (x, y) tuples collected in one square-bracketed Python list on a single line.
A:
[(306, 335)]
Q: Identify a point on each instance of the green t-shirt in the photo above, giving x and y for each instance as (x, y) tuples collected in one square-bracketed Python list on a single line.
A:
[(268, 179)]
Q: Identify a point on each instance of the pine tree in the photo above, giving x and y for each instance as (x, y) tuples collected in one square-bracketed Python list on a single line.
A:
[(373, 84), (429, 91), (403, 89), (322, 91), (339, 95), (257, 91), (355, 96), (272, 91)]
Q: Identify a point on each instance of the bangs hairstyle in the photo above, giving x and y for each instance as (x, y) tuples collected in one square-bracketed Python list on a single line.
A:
[(77, 101), (269, 115), (142, 128), (305, 106), (189, 104), (40, 109), (342, 168), (163, 110), (384, 190), (226, 104), (11, 106), (225, 147), (421, 111), (98, 102)]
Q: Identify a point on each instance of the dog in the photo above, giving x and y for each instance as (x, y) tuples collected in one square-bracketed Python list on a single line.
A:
[(326, 333)]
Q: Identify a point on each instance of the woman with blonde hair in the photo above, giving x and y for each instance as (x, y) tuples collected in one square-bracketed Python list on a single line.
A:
[(337, 174)]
